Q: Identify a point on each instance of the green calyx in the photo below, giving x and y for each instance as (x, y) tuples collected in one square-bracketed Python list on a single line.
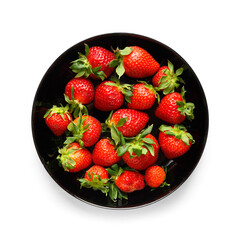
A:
[(179, 132), (83, 68), (125, 89), (77, 131), (75, 106), (139, 145), (185, 108), (96, 183), (64, 157), (58, 110), (171, 81), (118, 62)]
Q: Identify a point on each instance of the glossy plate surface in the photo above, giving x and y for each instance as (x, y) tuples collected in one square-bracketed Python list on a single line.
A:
[(50, 92)]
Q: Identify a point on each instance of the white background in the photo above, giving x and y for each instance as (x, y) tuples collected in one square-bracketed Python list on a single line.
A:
[(34, 34)]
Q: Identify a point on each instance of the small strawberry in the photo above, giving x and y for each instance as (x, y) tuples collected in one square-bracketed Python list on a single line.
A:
[(85, 130), (135, 62), (73, 158), (57, 119), (96, 177), (79, 92), (130, 181), (174, 109), (174, 140), (155, 176), (109, 95), (143, 96), (134, 121), (104, 153), (140, 152), (94, 64), (166, 79)]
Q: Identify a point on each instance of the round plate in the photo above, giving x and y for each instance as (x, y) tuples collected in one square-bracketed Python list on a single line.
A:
[(50, 92)]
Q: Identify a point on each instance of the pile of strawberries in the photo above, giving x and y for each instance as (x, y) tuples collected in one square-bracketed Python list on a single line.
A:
[(125, 161)]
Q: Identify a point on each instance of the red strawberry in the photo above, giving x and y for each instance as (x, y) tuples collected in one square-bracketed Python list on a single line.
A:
[(174, 140), (94, 64), (135, 121), (96, 170), (109, 95), (166, 79), (142, 155), (155, 176), (135, 62), (57, 119), (143, 96), (73, 158), (85, 129), (104, 153), (130, 181), (174, 109)]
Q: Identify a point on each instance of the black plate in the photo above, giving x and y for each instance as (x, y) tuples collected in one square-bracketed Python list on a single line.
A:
[(50, 92)]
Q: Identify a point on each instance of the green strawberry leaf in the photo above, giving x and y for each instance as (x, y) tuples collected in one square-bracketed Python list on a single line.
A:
[(120, 70), (121, 122)]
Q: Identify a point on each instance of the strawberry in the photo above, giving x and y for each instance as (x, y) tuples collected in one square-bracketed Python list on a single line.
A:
[(174, 140), (130, 181), (143, 96), (104, 153), (74, 158), (79, 92), (166, 79), (96, 177), (140, 152), (155, 176), (85, 129), (134, 121), (109, 95), (174, 109), (94, 64), (57, 119), (135, 62)]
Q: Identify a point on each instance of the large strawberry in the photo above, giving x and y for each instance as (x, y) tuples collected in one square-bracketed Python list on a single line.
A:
[(74, 158), (57, 119), (135, 62), (140, 152), (155, 176), (109, 95), (78, 93), (166, 79), (174, 141), (173, 108), (85, 130), (94, 64), (132, 122), (143, 96), (105, 153)]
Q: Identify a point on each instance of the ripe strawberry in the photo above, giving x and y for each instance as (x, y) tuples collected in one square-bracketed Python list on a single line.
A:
[(79, 92), (57, 119), (104, 153), (73, 158), (166, 79), (135, 62), (143, 96), (174, 109), (96, 170), (94, 64), (135, 121), (96, 177), (85, 129), (110, 95), (130, 181), (174, 140), (155, 176), (143, 154)]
